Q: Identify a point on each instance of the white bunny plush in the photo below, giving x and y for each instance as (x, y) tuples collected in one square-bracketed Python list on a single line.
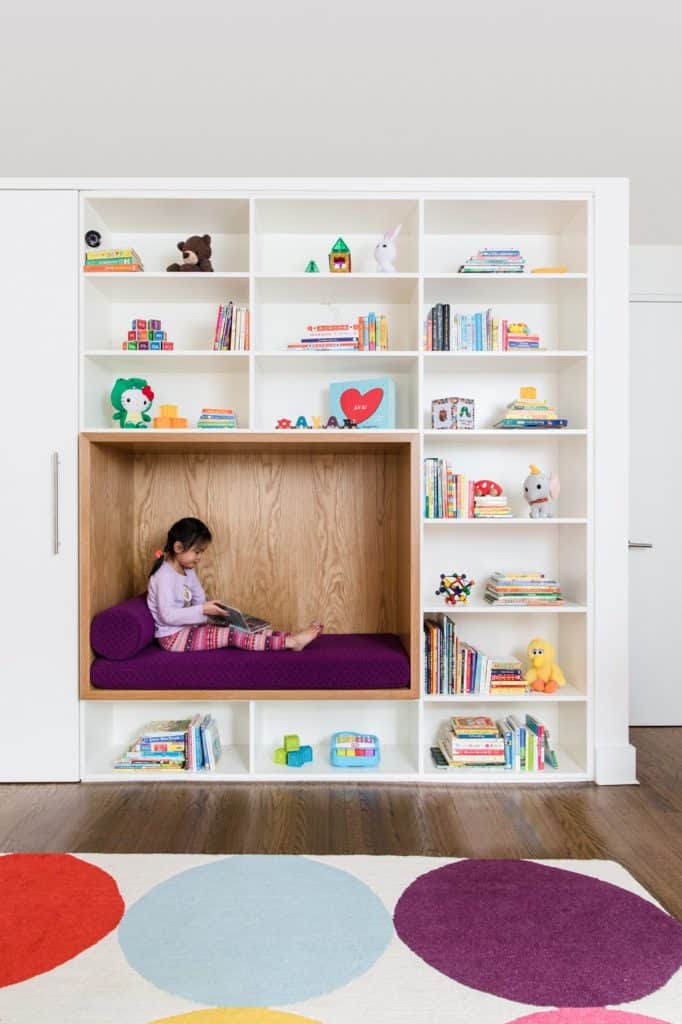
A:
[(385, 252)]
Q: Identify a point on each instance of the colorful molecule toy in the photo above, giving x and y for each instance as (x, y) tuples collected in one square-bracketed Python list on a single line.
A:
[(456, 587), (292, 754)]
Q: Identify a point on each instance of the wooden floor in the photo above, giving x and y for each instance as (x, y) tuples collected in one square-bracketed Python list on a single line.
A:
[(638, 826)]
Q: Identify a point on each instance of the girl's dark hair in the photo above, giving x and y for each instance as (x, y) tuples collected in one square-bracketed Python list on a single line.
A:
[(189, 532)]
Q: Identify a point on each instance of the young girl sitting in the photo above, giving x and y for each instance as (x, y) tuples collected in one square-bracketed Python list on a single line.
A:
[(180, 610)]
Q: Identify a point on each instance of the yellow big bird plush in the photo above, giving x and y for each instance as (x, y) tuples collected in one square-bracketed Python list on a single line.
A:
[(544, 675)]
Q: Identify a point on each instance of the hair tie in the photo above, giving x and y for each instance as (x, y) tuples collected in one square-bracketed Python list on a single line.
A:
[(158, 553)]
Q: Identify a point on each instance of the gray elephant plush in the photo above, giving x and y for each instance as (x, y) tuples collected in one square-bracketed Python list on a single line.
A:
[(541, 491)]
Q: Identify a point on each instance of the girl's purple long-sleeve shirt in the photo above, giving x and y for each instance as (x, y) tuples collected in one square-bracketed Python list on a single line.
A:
[(175, 600)]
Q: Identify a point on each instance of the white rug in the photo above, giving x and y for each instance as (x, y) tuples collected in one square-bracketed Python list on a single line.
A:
[(142, 939)]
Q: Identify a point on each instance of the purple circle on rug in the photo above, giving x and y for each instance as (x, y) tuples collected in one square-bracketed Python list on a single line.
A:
[(538, 934)]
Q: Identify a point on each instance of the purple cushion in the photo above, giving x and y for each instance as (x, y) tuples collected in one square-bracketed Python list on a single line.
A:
[(122, 631), (336, 661)]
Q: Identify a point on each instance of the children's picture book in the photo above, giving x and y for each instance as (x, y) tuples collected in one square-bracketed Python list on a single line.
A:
[(238, 620), (369, 403)]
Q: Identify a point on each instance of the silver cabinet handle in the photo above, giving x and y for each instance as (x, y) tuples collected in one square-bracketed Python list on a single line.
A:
[(55, 500), (639, 544)]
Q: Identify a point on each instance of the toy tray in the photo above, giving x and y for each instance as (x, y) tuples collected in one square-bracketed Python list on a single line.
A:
[(354, 750)]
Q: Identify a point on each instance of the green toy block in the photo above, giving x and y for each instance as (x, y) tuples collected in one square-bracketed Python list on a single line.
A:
[(280, 756), (291, 743)]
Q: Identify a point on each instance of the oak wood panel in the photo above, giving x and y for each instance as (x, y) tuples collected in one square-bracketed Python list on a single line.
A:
[(296, 536), (640, 827), (105, 548)]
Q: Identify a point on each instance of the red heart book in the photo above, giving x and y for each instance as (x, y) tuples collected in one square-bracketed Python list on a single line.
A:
[(370, 403)]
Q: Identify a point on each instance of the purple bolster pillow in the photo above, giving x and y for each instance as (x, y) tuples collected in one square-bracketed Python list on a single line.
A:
[(122, 631)]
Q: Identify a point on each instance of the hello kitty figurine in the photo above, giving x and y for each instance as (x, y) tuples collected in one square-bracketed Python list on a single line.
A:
[(385, 252)]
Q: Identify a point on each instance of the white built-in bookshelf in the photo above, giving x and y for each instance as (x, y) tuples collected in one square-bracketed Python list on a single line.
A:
[(262, 240)]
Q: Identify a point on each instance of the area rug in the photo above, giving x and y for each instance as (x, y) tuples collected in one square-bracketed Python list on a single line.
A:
[(139, 939)]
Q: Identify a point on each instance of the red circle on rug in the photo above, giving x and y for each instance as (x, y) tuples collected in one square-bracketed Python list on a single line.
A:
[(53, 906), (593, 1015)]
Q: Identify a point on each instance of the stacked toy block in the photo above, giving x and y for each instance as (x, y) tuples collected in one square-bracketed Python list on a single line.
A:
[(292, 754), (168, 419), (147, 336)]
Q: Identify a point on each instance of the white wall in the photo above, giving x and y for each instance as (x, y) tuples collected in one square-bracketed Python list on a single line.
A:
[(357, 87)]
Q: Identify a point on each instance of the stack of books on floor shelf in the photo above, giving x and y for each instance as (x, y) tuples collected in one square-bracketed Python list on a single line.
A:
[(112, 260), (494, 261), (454, 667), (474, 332), (479, 742), (232, 329), (447, 495), (523, 588), (187, 744)]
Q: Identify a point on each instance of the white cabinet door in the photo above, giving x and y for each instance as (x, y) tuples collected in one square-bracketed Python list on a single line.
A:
[(38, 495), (655, 503)]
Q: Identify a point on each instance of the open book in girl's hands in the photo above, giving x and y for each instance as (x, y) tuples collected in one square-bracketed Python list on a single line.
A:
[(238, 620)]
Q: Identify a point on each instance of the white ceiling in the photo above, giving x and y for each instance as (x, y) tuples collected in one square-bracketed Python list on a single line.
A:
[(336, 87)]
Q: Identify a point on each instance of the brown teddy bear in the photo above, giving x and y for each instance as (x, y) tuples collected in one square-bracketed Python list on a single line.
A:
[(196, 254)]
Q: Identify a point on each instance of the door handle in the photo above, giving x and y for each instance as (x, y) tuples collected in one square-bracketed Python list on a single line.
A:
[(55, 503), (639, 544)]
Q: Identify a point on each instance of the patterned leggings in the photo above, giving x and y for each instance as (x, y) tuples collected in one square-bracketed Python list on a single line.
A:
[(209, 638)]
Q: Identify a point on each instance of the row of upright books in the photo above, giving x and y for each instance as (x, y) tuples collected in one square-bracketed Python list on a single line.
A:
[(450, 495), (527, 588), (112, 261), (475, 332), (454, 667), (447, 495), (368, 334), (512, 743), (232, 329), (186, 744)]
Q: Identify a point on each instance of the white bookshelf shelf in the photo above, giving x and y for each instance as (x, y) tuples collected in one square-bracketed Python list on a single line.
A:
[(481, 608), (266, 240)]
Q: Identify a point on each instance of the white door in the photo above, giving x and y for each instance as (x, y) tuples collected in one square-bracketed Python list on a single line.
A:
[(655, 513), (38, 481)]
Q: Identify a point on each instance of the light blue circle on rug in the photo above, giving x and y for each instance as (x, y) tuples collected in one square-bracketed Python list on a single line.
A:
[(255, 931)]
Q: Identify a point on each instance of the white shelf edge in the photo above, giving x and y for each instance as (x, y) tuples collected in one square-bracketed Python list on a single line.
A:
[(506, 277), (477, 609), (511, 521), (487, 698), (543, 353), (499, 432), (164, 275), (355, 354), (98, 353), (327, 276)]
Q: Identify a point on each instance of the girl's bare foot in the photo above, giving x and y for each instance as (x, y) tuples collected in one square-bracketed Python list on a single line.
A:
[(298, 641)]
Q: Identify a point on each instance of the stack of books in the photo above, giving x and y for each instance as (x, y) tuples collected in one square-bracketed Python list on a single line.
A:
[(494, 261), (528, 411), (328, 338), (490, 506), (232, 329), (524, 588), (453, 667), (473, 743), (217, 419), (186, 744), (474, 332), (112, 260), (447, 495), (368, 334)]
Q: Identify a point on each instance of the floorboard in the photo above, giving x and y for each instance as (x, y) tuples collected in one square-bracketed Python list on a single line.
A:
[(638, 826)]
